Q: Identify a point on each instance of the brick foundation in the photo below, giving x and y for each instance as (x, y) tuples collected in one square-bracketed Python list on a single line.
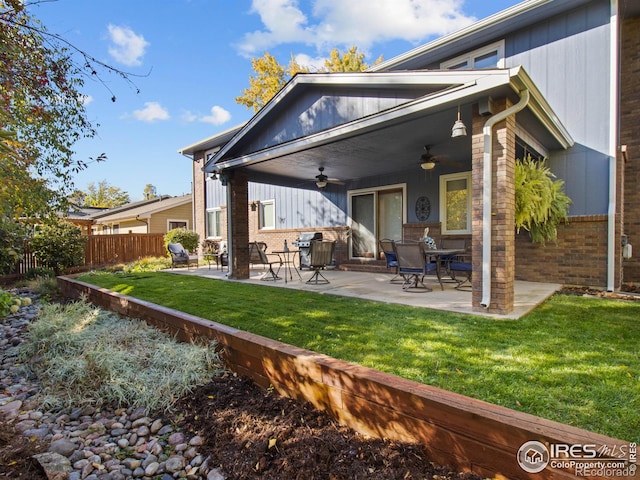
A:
[(578, 258)]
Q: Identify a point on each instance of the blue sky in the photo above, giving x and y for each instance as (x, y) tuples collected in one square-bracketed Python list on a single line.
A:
[(193, 57)]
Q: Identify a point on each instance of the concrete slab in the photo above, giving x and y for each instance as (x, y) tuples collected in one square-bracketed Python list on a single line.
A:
[(379, 288)]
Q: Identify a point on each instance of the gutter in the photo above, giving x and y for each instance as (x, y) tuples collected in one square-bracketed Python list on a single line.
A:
[(613, 141), (487, 171)]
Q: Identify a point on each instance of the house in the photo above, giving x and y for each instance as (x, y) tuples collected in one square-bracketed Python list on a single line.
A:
[(156, 215), (554, 78)]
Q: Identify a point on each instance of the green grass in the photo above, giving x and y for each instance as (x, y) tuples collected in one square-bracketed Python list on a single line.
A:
[(574, 360)]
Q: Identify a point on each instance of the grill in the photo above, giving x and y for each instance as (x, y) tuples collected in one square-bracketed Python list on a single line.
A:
[(303, 242)]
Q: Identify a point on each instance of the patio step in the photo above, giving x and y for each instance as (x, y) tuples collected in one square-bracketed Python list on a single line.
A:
[(365, 267)]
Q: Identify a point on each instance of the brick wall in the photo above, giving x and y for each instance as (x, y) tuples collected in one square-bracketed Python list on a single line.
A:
[(199, 196), (578, 258), (629, 136)]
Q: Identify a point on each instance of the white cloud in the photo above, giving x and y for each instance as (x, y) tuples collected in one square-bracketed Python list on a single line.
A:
[(218, 116), (151, 112), (127, 46), (341, 24), (188, 116), (86, 99)]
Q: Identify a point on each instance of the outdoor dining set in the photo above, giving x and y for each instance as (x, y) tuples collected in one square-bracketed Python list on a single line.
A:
[(411, 261)]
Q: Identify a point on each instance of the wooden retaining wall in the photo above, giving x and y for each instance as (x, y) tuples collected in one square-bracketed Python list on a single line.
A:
[(465, 433)]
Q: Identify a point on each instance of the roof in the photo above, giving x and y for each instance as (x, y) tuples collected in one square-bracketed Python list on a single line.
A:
[(451, 88), (212, 142), (148, 208)]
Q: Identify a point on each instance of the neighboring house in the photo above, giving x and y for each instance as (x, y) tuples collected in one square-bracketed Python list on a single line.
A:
[(554, 78), (82, 217), (157, 215)]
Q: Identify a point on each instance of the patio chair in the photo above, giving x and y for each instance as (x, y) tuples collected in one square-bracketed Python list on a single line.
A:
[(180, 257), (258, 256), (321, 255), (457, 243), (460, 269), (388, 247), (413, 265)]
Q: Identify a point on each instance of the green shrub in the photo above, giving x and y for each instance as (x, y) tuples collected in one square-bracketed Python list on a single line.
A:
[(541, 204), (39, 272), (10, 303), (11, 242), (188, 238), (148, 264), (59, 246)]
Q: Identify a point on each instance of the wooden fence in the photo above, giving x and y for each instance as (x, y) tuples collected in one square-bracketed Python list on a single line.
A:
[(107, 250), (112, 249)]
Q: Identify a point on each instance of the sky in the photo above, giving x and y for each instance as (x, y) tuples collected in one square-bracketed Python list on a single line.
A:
[(187, 61)]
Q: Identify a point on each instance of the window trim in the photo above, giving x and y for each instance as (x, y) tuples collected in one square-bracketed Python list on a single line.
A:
[(214, 210), (261, 222), (181, 220), (470, 57), (443, 202)]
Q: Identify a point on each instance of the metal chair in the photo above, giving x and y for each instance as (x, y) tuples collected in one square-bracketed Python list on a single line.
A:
[(321, 255), (259, 256), (413, 265), (460, 270), (388, 247)]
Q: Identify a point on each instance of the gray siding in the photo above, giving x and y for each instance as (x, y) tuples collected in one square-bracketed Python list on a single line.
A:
[(568, 59), (315, 111)]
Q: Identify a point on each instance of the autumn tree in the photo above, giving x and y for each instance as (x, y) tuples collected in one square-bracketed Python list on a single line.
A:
[(270, 76), (100, 195), (149, 192)]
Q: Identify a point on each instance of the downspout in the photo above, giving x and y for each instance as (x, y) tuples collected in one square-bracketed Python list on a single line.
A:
[(613, 142), (487, 171), (143, 221)]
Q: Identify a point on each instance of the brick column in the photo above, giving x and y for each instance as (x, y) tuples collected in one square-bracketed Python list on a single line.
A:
[(629, 123), (199, 197), (502, 211), (238, 212)]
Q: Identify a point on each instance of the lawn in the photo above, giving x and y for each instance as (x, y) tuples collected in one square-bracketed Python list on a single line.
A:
[(574, 360)]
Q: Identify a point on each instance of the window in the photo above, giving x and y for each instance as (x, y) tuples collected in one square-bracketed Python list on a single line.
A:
[(455, 203), (177, 224), (491, 56), (214, 223), (116, 228), (267, 214)]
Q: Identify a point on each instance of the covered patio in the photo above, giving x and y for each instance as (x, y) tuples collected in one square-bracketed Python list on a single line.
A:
[(371, 130), (378, 288)]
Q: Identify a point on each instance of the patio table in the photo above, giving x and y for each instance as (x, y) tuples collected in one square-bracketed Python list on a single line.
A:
[(288, 257), (437, 255)]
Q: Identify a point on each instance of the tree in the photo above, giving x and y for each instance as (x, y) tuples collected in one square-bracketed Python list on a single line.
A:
[(102, 195), (42, 114), (269, 79), (349, 61), (271, 76), (150, 192)]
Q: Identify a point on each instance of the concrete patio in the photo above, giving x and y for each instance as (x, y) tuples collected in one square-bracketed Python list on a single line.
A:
[(378, 287)]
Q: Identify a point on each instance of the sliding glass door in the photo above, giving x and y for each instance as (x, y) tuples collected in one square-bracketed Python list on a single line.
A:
[(375, 214)]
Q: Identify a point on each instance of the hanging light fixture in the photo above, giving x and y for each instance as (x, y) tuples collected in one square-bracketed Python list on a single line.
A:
[(459, 129), (428, 161), (428, 165), (321, 180)]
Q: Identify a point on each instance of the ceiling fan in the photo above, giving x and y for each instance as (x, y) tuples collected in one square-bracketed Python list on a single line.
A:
[(322, 180), (428, 160)]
